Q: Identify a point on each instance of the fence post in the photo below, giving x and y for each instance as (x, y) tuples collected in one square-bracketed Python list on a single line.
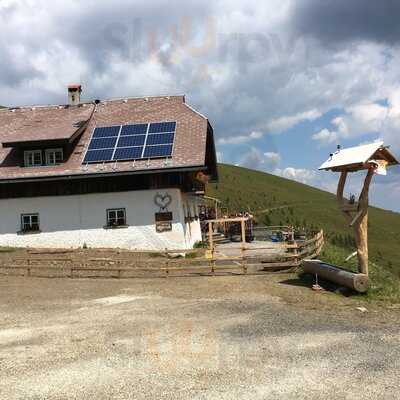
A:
[(211, 246), (210, 236), (296, 253), (243, 245)]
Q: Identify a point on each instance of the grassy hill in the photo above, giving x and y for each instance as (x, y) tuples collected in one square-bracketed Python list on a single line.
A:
[(243, 189)]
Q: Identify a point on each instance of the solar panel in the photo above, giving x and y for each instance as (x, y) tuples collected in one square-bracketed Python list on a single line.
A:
[(106, 131), (137, 129), (162, 127), (160, 138), (158, 151), (128, 153), (103, 143), (131, 142), (98, 155)]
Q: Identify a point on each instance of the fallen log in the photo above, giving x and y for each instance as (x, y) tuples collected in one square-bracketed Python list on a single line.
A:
[(355, 281)]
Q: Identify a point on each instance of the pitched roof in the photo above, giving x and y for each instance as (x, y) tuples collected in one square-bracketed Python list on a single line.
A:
[(42, 123), (355, 158), (57, 122)]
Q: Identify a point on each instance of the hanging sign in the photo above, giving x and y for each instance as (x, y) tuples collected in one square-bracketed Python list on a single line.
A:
[(165, 226), (163, 217)]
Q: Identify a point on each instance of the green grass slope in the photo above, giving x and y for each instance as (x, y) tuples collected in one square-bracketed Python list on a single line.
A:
[(244, 189)]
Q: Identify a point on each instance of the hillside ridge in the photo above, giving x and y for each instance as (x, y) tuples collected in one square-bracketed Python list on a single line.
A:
[(245, 189)]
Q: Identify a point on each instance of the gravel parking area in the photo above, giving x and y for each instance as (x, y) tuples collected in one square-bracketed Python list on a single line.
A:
[(239, 337)]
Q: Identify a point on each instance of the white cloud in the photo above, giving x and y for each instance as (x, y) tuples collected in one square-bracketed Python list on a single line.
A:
[(272, 158), (241, 138), (326, 136), (282, 124), (372, 119), (297, 174), (255, 159)]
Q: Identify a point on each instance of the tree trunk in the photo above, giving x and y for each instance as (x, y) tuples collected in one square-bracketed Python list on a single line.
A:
[(360, 222), (358, 282), (361, 234)]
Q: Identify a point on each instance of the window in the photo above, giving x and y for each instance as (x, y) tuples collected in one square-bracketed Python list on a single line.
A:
[(30, 222), (116, 217), (54, 156), (33, 158)]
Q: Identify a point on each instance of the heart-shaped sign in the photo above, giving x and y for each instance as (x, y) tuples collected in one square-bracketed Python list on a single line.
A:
[(162, 200)]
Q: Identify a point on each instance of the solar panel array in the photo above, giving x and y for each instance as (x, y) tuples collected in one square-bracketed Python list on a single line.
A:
[(131, 142)]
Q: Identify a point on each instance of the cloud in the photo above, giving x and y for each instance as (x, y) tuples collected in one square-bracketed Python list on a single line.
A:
[(305, 176), (376, 120), (272, 159), (254, 68), (241, 138), (325, 136), (340, 21), (282, 124), (256, 159)]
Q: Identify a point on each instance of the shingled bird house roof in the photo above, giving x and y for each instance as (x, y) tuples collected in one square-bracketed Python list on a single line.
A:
[(26, 127)]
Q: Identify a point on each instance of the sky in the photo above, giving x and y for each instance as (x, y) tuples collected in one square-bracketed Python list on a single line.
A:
[(283, 82)]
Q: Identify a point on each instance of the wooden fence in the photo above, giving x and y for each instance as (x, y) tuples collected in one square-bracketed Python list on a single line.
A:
[(170, 262)]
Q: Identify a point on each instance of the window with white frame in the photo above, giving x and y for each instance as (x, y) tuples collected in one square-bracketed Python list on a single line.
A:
[(32, 158), (54, 156), (30, 223), (116, 217)]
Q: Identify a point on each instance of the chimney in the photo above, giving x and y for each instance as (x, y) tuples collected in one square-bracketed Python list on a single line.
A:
[(74, 94)]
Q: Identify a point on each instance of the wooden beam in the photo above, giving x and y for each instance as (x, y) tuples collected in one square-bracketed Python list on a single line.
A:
[(220, 220), (210, 236), (357, 282)]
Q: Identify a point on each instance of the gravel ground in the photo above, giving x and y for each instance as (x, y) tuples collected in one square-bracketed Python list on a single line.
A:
[(254, 337)]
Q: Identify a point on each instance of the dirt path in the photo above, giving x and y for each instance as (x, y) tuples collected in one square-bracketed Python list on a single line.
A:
[(252, 337)]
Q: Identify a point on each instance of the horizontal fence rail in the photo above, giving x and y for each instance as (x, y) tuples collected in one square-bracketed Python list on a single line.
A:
[(166, 263)]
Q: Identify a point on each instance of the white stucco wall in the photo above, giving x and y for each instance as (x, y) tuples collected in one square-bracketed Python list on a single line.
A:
[(71, 221)]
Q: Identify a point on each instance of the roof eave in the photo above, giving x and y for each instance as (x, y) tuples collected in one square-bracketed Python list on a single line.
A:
[(102, 174)]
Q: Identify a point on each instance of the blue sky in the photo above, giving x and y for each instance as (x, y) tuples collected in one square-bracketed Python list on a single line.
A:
[(283, 82)]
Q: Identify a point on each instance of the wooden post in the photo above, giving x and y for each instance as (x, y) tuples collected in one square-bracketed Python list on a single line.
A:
[(210, 236), (243, 246), (167, 268), (211, 245), (357, 282), (243, 226), (296, 253), (360, 220)]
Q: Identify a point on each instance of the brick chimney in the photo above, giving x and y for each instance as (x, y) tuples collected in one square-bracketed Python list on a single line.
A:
[(74, 94)]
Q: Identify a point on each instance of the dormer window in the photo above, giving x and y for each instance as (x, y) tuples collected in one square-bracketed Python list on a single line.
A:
[(39, 158), (33, 158), (54, 156)]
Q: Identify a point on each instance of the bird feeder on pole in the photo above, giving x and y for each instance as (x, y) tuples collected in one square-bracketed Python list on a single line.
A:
[(374, 158)]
